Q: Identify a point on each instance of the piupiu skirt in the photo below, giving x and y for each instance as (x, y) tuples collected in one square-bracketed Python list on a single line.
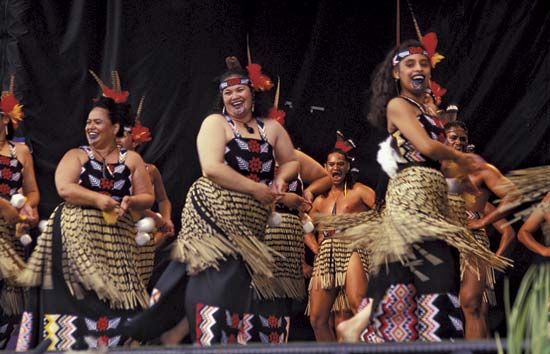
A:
[(85, 281)]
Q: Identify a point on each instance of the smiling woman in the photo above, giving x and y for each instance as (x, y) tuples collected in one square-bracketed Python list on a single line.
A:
[(84, 262)]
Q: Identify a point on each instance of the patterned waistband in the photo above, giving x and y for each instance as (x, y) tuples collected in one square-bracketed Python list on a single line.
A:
[(473, 215)]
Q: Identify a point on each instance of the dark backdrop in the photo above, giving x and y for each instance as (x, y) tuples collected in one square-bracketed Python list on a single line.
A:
[(497, 69)]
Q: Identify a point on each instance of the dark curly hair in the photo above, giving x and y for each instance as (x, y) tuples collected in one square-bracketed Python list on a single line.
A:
[(261, 100), (456, 124), (118, 112), (384, 87)]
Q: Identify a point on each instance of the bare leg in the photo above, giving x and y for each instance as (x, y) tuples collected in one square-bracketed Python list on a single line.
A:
[(321, 301), (176, 334), (471, 297), (356, 282), (350, 330)]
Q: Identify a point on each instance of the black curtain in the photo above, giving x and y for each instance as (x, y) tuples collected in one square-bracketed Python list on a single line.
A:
[(497, 69)]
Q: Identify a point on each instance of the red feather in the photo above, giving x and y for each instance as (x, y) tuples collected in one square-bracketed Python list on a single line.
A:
[(140, 134), (260, 82), (278, 115), (118, 97), (9, 101), (437, 90), (342, 145), (429, 40)]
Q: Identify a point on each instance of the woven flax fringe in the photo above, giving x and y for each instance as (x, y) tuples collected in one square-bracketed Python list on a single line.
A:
[(95, 256), (457, 207), (11, 265), (330, 267), (287, 239), (416, 209), (218, 223), (11, 262)]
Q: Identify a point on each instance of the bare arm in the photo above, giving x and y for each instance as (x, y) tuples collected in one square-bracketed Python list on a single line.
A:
[(310, 239), (525, 234), (503, 188), (368, 196), (314, 174), (507, 233), (284, 154), (165, 207), (402, 115), (142, 188), (30, 188)]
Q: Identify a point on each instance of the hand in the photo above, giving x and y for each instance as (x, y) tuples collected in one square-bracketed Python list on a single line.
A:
[(264, 194), (476, 224), (125, 205), (167, 227), (105, 203), (30, 213), (294, 201), (308, 195), (279, 186), (307, 270), (10, 214)]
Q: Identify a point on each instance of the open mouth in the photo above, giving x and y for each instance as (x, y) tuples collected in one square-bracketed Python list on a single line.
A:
[(336, 174), (92, 135), (418, 82), (238, 106)]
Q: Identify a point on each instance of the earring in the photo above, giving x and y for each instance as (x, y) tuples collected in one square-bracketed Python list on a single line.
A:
[(252, 107), (223, 111)]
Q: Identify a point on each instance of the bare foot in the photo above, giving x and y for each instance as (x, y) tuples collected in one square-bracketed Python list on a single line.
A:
[(350, 330), (175, 335)]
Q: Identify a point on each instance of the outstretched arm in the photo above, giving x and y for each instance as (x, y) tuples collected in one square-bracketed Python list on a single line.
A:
[(507, 233), (525, 234)]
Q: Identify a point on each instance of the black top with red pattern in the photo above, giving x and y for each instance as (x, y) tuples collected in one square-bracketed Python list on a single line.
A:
[(113, 180), (296, 187), (252, 158), (11, 177), (434, 128)]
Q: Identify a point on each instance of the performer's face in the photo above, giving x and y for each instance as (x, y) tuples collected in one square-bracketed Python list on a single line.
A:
[(99, 128), (237, 100), (457, 138), (337, 167), (414, 73), (126, 141)]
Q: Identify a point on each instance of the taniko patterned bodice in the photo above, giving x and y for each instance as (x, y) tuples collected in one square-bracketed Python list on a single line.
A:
[(11, 177), (253, 158), (435, 130), (110, 179)]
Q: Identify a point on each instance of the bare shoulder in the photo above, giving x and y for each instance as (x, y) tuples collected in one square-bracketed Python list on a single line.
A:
[(21, 149), (133, 158), (212, 119), (362, 188)]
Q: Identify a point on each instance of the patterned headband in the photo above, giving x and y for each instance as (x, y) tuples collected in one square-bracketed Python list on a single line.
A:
[(410, 51), (234, 81)]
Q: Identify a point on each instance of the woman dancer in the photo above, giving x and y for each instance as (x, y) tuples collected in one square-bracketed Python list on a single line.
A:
[(415, 233), (85, 261)]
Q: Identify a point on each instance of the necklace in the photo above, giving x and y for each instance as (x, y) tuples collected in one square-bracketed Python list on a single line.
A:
[(105, 166), (248, 128)]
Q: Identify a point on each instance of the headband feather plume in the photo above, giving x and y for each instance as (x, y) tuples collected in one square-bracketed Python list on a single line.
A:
[(115, 92), (275, 112), (140, 133), (346, 145), (10, 106), (260, 81)]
